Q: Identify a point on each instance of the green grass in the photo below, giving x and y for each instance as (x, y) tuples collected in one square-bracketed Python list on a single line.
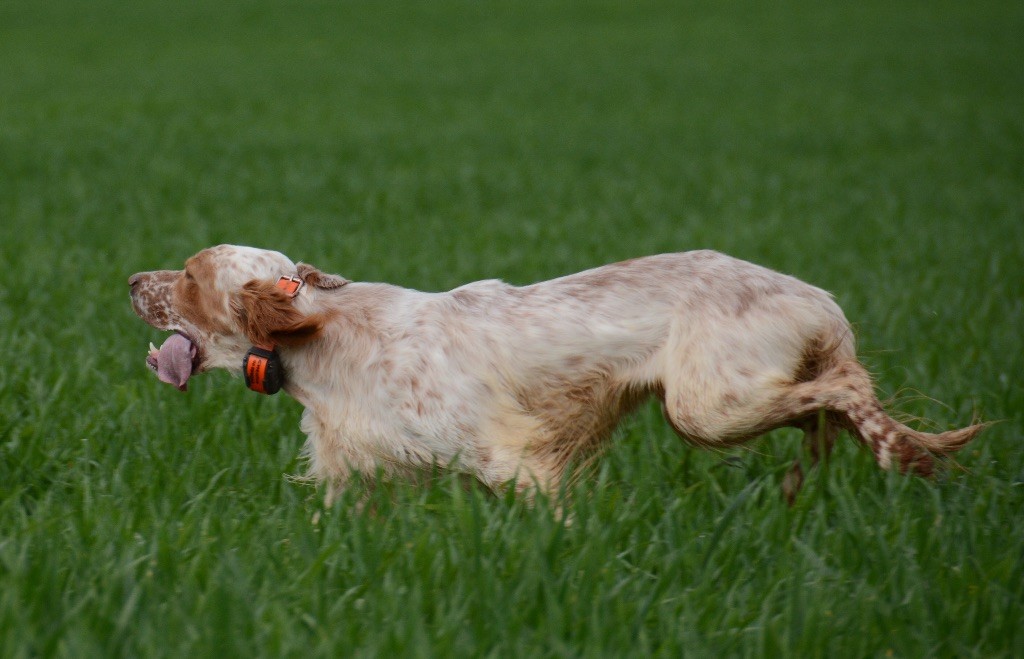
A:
[(874, 149)]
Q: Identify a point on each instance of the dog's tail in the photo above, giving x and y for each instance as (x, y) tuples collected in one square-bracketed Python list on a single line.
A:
[(894, 444)]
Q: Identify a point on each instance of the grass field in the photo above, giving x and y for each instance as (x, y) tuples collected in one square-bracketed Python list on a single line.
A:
[(873, 148)]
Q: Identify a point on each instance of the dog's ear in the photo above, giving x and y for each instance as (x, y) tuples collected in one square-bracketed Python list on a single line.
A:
[(313, 277), (268, 316)]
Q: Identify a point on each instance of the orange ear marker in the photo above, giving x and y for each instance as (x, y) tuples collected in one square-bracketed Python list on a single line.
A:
[(290, 285)]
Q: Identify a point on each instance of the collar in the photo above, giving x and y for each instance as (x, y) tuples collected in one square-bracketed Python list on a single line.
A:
[(262, 367)]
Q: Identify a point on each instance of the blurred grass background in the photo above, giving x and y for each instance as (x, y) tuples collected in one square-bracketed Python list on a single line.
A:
[(876, 150)]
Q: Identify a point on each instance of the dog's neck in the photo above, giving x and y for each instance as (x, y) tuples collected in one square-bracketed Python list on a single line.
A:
[(346, 355)]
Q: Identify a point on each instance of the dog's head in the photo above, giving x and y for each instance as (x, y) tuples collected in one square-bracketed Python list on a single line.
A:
[(224, 301)]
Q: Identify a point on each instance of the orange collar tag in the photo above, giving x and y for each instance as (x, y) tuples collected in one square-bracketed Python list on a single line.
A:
[(263, 370)]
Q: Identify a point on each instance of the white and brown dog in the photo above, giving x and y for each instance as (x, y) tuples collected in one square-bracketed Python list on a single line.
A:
[(514, 384)]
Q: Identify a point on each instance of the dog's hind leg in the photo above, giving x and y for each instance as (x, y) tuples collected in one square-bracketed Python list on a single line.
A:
[(847, 391), (820, 433), (844, 391)]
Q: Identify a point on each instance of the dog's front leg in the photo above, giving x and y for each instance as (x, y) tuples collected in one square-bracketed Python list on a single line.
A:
[(335, 486)]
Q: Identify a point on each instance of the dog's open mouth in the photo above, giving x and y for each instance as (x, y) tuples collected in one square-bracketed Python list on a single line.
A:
[(175, 361)]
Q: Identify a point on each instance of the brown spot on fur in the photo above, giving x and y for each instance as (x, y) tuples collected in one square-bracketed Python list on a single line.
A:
[(913, 459), (822, 355), (464, 298), (745, 299), (573, 362), (197, 303)]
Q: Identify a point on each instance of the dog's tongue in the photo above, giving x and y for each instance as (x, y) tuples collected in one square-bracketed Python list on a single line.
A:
[(173, 361)]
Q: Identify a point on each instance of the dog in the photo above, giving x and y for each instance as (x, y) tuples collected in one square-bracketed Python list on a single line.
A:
[(518, 385)]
